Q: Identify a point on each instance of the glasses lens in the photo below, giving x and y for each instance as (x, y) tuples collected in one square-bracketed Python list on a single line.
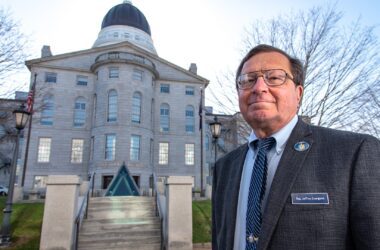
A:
[(247, 80), (275, 77)]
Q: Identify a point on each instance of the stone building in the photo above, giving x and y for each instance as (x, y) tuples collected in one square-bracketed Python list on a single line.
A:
[(113, 103)]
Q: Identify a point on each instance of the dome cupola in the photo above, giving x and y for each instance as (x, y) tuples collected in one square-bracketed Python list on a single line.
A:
[(125, 22), (126, 14)]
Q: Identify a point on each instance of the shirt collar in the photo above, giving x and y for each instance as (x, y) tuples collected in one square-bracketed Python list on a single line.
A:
[(280, 136)]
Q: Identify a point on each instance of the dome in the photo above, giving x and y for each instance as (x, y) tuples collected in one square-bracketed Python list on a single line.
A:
[(126, 14)]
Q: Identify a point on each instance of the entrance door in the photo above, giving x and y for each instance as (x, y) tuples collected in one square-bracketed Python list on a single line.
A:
[(106, 181)]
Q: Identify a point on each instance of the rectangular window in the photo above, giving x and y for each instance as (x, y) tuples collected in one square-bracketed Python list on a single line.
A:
[(163, 154), (51, 77), (189, 90), (82, 80), (40, 181), (113, 72), (137, 75), (77, 150), (189, 154), (110, 147), (165, 88), (44, 146), (135, 148)]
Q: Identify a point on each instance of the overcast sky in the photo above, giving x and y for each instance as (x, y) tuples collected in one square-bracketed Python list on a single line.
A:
[(206, 32)]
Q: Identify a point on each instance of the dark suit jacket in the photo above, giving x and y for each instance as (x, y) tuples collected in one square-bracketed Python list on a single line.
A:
[(344, 165)]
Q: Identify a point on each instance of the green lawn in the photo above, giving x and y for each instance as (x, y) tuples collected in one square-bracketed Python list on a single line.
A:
[(201, 221), (26, 224)]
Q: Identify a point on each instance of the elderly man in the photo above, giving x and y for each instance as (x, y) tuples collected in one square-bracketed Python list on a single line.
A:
[(293, 185)]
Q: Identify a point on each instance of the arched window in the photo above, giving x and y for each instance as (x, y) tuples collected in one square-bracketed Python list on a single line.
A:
[(47, 110), (112, 106), (136, 107), (164, 117), (189, 119), (80, 112)]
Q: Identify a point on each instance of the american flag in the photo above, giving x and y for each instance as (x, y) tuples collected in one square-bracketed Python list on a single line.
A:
[(29, 101)]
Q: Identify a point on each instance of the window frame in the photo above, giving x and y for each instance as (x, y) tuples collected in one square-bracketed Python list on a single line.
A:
[(82, 80), (189, 154), (138, 75), (110, 150), (163, 153), (189, 119), (77, 155), (51, 77), (165, 88), (44, 150), (80, 114), (133, 150), (189, 90), (113, 72), (112, 108), (136, 107), (164, 118)]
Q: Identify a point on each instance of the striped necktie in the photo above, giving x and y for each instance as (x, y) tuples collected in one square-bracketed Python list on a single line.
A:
[(257, 192)]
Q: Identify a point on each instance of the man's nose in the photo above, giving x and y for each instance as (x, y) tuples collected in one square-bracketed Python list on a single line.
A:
[(260, 85)]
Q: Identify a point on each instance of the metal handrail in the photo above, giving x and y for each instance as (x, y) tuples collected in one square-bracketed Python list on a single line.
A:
[(158, 209), (82, 213)]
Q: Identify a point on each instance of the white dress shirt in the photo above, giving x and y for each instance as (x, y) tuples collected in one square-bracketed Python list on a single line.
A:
[(273, 156)]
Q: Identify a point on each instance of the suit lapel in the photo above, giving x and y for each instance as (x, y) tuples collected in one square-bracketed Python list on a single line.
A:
[(287, 171), (232, 192)]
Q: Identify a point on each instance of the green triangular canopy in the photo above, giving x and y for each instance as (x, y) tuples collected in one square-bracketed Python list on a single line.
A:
[(123, 184)]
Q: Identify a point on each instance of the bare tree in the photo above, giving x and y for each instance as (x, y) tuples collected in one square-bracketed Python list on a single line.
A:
[(12, 49), (341, 65)]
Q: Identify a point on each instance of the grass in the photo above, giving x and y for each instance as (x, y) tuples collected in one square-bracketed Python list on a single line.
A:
[(201, 221), (26, 222)]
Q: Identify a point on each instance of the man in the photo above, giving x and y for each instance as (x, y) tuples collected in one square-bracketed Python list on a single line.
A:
[(319, 187)]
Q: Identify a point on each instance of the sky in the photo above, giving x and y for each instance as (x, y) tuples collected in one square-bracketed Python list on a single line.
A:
[(206, 32)]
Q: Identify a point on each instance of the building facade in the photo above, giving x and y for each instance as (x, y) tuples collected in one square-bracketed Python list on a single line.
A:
[(116, 102)]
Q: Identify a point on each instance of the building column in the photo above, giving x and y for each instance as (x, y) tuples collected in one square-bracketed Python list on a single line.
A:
[(179, 218), (59, 213)]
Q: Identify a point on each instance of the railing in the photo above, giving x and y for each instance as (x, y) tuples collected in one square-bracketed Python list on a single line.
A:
[(83, 210), (159, 211), (125, 56)]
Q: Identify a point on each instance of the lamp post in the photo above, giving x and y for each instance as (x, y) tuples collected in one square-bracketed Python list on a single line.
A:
[(21, 119), (216, 128)]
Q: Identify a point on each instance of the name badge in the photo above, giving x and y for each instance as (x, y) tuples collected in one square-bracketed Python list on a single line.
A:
[(310, 198)]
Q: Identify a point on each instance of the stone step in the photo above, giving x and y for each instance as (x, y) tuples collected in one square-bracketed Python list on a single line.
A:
[(120, 213), (121, 224), (116, 199), (127, 242), (132, 232), (155, 246), (127, 203)]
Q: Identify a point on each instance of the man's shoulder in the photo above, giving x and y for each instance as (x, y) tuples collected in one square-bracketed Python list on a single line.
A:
[(342, 136)]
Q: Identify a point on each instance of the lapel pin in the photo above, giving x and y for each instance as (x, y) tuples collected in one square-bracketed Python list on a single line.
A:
[(301, 146)]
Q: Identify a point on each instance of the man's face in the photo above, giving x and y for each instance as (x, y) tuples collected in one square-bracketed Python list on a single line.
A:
[(268, 109)]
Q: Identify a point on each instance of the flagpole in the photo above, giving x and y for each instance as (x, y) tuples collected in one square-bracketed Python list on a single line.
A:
[(201, 129), (30, 107)]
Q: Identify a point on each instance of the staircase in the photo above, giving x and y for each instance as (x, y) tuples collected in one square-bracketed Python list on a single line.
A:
[(121, 222)]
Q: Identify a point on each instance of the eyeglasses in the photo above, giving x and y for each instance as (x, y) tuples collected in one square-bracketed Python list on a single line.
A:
[(272, 77)]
